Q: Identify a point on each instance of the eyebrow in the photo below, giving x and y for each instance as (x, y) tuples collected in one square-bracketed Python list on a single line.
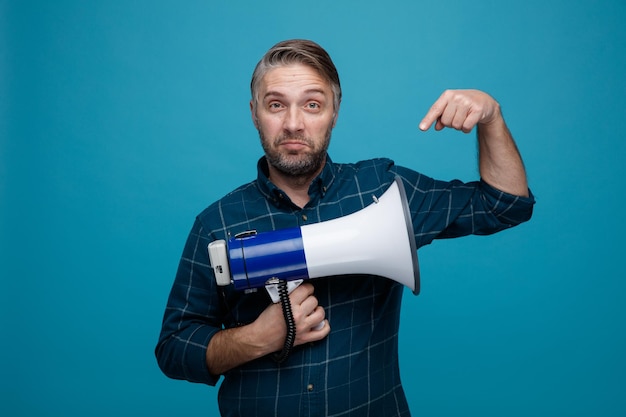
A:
[(273, 93)]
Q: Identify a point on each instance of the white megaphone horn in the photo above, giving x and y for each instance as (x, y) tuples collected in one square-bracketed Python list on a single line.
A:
[(377, 240)]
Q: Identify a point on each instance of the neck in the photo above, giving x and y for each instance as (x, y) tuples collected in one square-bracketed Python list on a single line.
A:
[(295, 186)]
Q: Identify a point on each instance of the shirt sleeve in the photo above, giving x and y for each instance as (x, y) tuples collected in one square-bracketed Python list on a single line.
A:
[(191, 316), (448, 209)]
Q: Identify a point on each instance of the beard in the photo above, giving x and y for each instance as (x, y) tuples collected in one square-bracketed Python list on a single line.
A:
[(296, 164)]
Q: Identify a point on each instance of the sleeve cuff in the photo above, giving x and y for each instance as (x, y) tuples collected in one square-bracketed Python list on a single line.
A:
[(194, 356), (509, 208)]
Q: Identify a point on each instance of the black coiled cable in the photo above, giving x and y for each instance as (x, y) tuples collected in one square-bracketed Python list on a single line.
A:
[(283, 293)]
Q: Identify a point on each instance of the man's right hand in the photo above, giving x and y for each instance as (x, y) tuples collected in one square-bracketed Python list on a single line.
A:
[(230, 348), (307, 314)]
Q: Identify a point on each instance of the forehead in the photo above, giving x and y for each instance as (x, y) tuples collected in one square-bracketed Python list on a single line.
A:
[(295, 78)]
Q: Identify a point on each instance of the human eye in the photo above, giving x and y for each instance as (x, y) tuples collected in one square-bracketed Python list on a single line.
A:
[(313, 105), (274, 105)]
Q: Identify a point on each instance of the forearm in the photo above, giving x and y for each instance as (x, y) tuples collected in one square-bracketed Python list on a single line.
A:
[(233, 347), (500, 162), (182, 355)]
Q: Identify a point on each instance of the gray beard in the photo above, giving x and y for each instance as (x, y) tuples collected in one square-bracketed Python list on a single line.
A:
[(303, 167)]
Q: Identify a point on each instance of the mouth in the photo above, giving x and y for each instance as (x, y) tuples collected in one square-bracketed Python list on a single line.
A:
[(293, 144)]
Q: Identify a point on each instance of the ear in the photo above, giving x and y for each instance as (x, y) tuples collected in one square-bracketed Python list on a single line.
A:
[(335, 116), (253, 114)]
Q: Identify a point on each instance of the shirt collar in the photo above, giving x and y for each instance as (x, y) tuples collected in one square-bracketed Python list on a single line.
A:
[(317, 190)]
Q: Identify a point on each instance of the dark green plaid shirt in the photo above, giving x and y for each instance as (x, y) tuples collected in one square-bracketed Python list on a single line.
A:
[(354, 371)]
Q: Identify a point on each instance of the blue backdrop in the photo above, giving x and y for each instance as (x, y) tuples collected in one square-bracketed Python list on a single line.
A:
[(121, 120)]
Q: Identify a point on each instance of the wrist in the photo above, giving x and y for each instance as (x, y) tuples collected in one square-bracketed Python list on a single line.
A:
[(495, 119)]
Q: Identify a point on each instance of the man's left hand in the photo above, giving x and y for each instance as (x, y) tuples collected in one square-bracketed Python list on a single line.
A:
[(461, 110)]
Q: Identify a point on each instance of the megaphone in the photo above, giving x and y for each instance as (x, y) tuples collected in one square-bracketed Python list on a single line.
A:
[(376, 240)]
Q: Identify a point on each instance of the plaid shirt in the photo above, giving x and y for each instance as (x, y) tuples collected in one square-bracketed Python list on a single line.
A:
[(354, 371)]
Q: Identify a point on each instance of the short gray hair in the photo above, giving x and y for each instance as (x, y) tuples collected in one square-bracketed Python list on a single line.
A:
[(298, 51)]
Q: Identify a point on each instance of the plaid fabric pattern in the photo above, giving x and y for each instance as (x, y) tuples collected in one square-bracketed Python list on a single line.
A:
[(354, 371)]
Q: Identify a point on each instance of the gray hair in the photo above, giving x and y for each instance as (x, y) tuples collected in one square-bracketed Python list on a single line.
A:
[(298, 51)]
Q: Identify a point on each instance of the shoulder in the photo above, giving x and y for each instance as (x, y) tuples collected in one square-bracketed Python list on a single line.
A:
[(382, 169), (378, 173), (219, 215), (370, 176), (364, 168), (373, 163)]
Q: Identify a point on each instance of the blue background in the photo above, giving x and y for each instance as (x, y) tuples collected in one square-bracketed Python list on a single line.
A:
[(121, 120)]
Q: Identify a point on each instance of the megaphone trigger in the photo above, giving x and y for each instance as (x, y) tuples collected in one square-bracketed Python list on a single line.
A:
[(272, 289)]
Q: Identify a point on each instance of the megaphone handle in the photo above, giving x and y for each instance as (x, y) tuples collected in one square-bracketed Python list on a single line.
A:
[(283, 293), (272, 288)]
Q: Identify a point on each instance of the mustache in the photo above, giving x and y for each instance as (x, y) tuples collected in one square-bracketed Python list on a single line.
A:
[(287, 138)]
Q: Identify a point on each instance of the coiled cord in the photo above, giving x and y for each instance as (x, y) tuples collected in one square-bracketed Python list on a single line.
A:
[(290, 339)]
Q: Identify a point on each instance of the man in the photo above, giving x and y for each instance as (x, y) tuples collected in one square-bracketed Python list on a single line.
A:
[(349, 365)]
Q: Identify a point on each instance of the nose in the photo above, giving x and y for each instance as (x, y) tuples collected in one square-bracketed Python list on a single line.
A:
[(294, 120)]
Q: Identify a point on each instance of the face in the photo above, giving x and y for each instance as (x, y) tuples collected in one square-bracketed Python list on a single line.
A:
[(294, 115)]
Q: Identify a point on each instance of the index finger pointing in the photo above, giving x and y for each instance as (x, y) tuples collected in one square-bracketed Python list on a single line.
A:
[(433, 114)]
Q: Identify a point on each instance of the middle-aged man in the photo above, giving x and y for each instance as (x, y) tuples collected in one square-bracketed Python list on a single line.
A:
[(345, 356)]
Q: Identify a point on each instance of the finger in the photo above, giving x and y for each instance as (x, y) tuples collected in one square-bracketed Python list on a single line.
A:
[(319, 314), (319, 326), (449, 116), (315, 333), (429, 119), (301, 293), (309, 305), (459, 119), (322, 329), (471, 121), (321, 322), (459, 114), (435, 112), (315, 327)]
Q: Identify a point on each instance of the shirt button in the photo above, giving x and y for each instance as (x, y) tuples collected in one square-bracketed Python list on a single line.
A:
[(309, 387), (304, 217)]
